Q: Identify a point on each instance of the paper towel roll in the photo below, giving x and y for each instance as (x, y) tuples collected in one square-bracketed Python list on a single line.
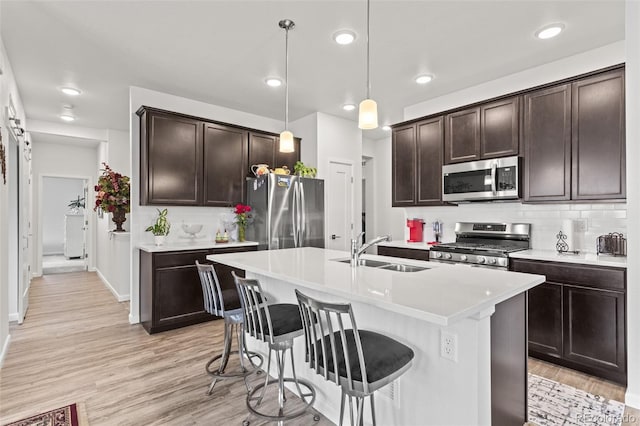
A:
[(568, 229)]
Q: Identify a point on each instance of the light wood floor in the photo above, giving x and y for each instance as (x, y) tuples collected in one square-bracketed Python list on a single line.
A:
[(76, 345)]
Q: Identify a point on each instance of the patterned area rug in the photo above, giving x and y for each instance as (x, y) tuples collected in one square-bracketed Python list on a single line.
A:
[(65, 416), (554, 404)]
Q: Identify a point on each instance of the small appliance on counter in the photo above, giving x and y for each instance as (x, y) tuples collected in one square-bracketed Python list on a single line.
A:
[(614, 244), (416, 227), (437, 231)]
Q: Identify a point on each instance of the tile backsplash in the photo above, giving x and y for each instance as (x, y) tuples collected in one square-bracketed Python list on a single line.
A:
[(546, 220)]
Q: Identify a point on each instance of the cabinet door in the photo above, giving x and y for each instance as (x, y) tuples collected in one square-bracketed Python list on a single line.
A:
[(417, 254), (225, 165), (598, 139), (499, 129), (171, 160), (594, 330), (545, 319), (178, 297), (547, 144), (462, 136), (403, 166), (262, 149), (288, 159), (430, 144)]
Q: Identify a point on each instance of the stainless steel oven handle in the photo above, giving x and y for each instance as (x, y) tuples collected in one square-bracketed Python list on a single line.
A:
[(494, 169)]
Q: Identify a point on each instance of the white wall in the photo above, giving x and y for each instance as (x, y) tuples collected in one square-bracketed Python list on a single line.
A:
[(61, 160), (56, 195), (633, 201), (8, 88), (307, 129), (143, 216)]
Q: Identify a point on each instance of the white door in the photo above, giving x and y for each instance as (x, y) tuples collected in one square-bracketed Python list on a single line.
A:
[(85, 224), (339, 206), (24, 224)]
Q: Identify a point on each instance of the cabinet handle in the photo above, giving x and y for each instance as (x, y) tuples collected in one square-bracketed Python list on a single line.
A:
[(334, 236)]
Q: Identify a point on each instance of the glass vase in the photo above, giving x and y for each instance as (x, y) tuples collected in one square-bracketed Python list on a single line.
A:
[(241, 230)]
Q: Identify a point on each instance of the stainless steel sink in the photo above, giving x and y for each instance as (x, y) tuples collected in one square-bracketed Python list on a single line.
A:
[(403, 268), (398, 267), (365, 262)]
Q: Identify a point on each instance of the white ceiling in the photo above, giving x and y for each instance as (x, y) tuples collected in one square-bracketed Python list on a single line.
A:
[(220, 51), (38, 138)]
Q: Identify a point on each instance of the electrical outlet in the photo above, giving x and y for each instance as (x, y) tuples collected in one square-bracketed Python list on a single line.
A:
[(449, 345)]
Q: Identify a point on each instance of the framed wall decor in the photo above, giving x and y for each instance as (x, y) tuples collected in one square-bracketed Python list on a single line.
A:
[(3, 160)]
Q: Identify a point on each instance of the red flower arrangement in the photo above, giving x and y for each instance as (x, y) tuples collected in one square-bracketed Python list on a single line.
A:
[(113, 191), (242, 214)]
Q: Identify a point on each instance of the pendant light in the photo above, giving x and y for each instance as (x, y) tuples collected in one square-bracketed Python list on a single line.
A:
[(286, 137), (368, 115)]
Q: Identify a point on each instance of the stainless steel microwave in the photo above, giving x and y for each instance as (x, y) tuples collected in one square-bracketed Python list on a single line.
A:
[(495, 179)]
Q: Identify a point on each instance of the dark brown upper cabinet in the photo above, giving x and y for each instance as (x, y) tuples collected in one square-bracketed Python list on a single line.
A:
[(430, 137), (170, 159), (417, 163), (225, 159), (598, 139), (499, 128), (487, 131), (403, 169), (547, 144), (262, 150), (265, 149), (462, 137)]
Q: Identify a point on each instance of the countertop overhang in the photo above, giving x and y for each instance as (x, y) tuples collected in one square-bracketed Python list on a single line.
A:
[(193, 245), (441, 294)]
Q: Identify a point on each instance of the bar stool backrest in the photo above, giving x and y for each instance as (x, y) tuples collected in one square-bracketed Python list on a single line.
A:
[(257, 318), (211, 293), (325, 333)]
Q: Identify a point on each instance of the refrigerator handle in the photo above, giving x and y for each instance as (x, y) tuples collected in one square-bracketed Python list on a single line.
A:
[(294, 213), (303, 214)]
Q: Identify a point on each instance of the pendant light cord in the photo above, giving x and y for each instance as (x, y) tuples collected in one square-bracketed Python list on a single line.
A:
[(286, 80), (368, 54)]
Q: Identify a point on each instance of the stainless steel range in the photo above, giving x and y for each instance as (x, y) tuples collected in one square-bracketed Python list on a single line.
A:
[(483, 244)]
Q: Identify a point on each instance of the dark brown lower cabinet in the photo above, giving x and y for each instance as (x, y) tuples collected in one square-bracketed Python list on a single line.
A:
[(577, 318), (417, 254), (170, 290)]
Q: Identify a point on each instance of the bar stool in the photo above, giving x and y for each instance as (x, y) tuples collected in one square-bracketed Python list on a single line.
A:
[(277, 325), (214, 303), (359, 361)]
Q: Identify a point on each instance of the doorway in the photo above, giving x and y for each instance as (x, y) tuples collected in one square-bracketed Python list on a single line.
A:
[(340, 220), (64, 224)]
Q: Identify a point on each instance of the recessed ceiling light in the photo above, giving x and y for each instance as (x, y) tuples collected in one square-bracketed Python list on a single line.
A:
[(71, 91), (273, 82), (344, 37), (348, 107), (549, 31), (67, 117), (387, 128), (423, 79)]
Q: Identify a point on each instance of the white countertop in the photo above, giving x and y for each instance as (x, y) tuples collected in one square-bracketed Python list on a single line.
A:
[(192, 245), (441, 294), (407, 245), (582, 258)]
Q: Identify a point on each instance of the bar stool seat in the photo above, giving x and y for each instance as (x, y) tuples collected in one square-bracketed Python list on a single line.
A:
[(359, 361), (225, 303), (277, 325)]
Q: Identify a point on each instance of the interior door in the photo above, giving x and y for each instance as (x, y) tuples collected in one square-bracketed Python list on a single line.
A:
[(339, 206), (85, 224)]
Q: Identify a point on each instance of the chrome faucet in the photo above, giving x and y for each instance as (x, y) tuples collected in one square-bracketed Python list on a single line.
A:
[(357, 250)]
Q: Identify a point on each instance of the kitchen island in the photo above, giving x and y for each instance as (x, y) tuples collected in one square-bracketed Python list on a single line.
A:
[(414, 308)]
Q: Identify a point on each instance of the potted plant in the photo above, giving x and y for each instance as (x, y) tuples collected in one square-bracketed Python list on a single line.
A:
[(303, 171), (76, 205), (112, 196), (161, 228)]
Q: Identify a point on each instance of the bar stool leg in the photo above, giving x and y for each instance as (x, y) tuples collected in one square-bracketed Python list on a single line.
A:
[(373, 411), (343, 401)]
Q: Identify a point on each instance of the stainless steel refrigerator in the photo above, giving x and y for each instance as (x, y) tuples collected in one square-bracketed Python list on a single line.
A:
[(288, 211)]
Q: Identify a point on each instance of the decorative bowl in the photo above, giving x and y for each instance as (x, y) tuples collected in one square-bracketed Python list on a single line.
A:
[(192, 228)]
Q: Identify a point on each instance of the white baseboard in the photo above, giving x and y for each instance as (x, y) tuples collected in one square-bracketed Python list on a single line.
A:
[(134, 319), (36, 274), (14, 317), (5, 349), (632, 399), (93, 269), (119, 297)]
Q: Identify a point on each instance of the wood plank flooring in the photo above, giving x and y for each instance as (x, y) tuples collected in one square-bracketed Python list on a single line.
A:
[(76, 345)]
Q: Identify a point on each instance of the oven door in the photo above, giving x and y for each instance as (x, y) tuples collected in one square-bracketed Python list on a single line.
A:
[(481, 180)]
